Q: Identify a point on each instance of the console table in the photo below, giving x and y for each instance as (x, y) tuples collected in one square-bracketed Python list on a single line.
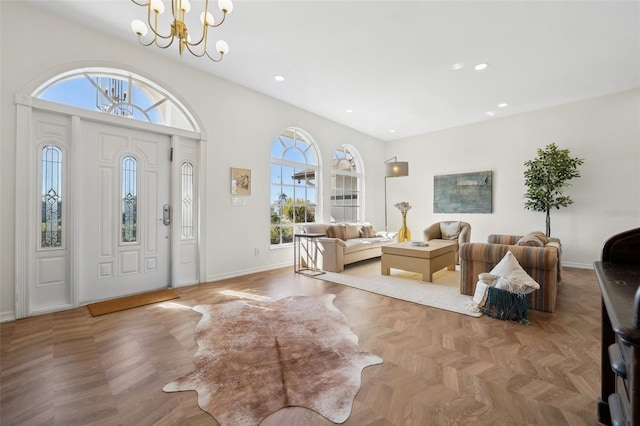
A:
[(619, 278), (310, 267)]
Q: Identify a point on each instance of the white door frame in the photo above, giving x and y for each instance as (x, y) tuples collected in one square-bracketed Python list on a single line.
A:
[(26, 180)]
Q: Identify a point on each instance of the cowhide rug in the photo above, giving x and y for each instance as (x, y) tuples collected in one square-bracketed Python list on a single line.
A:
[(255, 358)]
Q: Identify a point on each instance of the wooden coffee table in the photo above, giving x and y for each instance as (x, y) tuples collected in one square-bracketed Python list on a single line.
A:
[(422, 259)]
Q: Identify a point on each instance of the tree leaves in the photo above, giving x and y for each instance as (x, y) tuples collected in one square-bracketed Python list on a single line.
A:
[(547, 176)]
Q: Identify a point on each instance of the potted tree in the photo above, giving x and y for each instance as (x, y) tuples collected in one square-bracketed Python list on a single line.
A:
[(546, 177)]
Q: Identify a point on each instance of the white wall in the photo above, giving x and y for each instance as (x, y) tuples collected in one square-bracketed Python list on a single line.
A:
[(604, 131), (240, 125)]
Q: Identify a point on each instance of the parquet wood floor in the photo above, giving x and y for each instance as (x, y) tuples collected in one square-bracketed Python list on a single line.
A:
[(440, 368)]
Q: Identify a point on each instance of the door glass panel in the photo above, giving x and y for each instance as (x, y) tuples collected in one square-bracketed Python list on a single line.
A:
[(129, 200), (187, 200), (51, 224)]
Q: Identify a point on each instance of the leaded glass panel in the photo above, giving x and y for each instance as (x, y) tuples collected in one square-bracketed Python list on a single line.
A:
[(187, 200), (129, 200), (51, 223)]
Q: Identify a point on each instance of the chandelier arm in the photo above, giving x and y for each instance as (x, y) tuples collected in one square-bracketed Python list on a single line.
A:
[(155, 26), (166, 45), (204, 29), (214, 60), (224, 16), (142, 4), (203, 38), (197, 55)]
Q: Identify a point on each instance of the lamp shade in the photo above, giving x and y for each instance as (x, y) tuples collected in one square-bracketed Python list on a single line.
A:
[(396, 169)]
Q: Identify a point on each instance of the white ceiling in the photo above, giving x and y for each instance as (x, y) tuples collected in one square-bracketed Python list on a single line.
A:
[(390, 61)]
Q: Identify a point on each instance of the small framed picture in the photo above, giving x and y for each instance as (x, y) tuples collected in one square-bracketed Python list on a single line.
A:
[(240, 181)]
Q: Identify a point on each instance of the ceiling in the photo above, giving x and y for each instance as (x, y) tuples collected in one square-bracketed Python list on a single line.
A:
[(391, 61)]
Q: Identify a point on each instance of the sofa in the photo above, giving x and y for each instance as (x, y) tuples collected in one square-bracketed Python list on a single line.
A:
[(541, 259), (343, 244), (460, 232)]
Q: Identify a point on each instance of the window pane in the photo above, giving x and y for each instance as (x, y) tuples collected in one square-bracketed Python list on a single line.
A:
[(288, 175), (295, 155), (129, 200), (51, 228), (76, 92), (187, 200), (276, 173)]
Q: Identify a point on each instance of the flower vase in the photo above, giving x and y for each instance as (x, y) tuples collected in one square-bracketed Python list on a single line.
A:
[(404, 234)]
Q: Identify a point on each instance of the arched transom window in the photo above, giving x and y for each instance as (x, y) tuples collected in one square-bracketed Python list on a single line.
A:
[(117, 92), (294, 184)]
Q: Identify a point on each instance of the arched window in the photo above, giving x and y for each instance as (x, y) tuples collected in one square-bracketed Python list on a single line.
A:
[(117, 92), (294, 184), (346, 182)]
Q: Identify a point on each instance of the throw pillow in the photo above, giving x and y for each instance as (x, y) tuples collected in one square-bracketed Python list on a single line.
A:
[(352, 231), (336, 231), (367, 231), (488, 279), (516, 280), (450, 230), (533, 239)]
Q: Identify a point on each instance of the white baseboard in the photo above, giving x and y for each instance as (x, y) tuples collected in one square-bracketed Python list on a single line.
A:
[(577, 265), (234, 274), (7, 316)]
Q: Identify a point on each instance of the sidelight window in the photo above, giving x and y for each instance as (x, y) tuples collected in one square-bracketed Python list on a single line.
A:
[(187, 200)]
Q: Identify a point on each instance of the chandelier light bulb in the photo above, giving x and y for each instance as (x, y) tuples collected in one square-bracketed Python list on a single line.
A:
[(225, 6), (222, 47), (139, 27), (209, 19), (185, 5), (157, 6)]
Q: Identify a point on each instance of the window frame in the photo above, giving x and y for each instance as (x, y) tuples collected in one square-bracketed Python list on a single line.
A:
[(311, 167)]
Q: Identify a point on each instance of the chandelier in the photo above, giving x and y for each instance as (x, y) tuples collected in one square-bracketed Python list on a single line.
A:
[(179, 30), (111, 96)]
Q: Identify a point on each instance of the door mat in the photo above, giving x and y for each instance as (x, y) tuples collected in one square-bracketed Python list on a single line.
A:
[(115, 305)]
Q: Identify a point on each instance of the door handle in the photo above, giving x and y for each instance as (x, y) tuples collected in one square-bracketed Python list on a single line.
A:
[(166, 214)]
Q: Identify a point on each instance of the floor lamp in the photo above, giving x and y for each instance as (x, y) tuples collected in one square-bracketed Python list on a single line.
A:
[(393, 168)]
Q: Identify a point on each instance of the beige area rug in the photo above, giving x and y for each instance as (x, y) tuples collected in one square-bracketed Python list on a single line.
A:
[(255, 358), (443, 293)]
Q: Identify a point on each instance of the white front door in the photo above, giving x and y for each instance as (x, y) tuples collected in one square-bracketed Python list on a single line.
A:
[(124, 180)]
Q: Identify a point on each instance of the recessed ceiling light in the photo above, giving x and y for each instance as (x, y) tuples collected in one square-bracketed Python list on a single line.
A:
[(457, 66), (278, 78), (503, 105), (481, 66), (392, 131), (490, 113), (349, 110)]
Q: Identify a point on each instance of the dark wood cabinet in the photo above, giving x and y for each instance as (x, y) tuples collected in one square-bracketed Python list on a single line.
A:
[(619, 278)]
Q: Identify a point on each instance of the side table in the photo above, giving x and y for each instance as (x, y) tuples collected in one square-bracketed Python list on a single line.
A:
[(307, 269)]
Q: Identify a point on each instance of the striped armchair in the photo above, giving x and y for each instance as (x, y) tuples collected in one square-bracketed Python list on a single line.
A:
[(543, 264)]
